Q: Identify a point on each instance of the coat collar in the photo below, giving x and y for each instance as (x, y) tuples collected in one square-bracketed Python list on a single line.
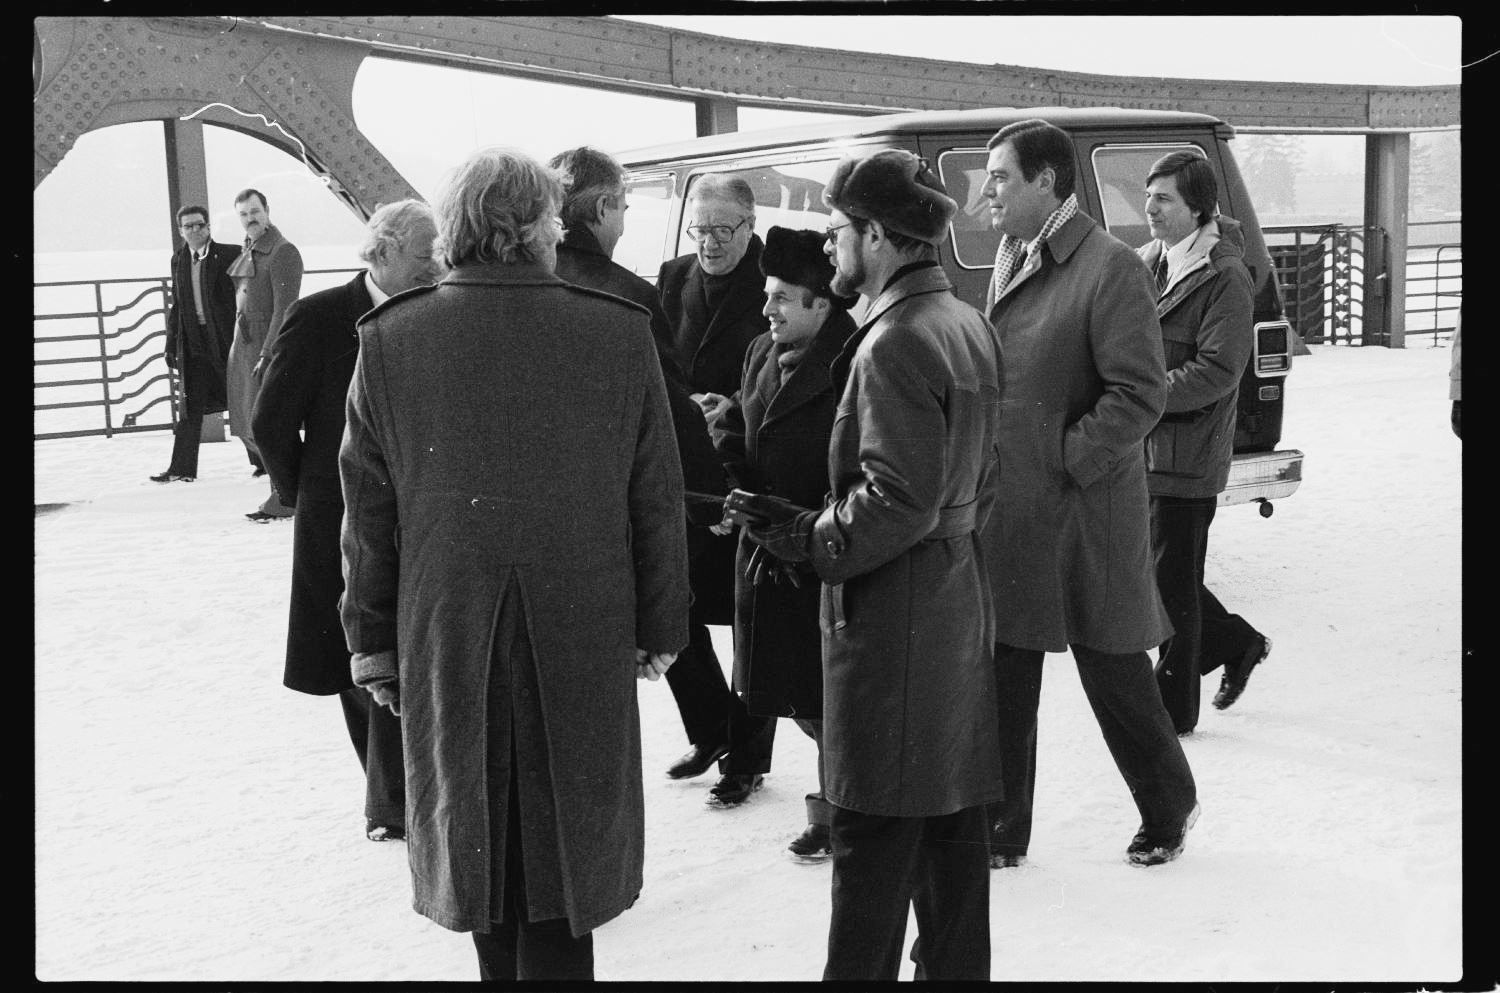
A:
[(930, 279), (746, 291), (269, 241), (1061, 246), (581, 239), (1219, 239), (498, 273), (811, 377)]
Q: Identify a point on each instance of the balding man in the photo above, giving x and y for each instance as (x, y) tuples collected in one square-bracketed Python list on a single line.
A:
[(714, 299), (298, 421)]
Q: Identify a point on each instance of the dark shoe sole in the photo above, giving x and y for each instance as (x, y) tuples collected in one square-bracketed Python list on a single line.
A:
[(723, 801), (810, 858)]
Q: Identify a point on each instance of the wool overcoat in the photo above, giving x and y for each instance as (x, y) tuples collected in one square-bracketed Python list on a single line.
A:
[(1207, 327), (1069, 544), (475, 470), (709, 347), (261, 302), (908, 673), (184, 337), (774, 439), (298, 424)]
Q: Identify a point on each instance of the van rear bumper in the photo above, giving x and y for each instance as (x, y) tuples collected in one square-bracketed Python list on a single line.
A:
[(1257, 476)]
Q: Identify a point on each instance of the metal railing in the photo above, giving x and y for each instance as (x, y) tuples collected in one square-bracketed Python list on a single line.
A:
[(1321, 271), (98, 352)]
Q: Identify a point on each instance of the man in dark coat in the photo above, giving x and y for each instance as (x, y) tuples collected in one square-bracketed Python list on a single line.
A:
[(200, 329), (515, 560), (1069, 544), (267, 278), (713, 299), (1206, 308), (774, 439), (593, 216), (911, 747), (298, 423)]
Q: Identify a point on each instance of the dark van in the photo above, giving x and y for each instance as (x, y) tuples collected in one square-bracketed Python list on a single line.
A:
[(788, 167)]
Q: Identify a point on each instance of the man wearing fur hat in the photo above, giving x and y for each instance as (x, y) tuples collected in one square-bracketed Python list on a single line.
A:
[(774, 439), (911, 747), (1069, 544)]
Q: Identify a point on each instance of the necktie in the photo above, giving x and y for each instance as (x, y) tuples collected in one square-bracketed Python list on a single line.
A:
[(1161, 272)]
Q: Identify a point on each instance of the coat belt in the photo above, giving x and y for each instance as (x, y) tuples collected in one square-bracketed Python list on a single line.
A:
[(954, 521)]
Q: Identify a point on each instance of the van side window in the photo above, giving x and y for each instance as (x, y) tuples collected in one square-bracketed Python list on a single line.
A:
[(787, 194), (974, 240), (1120, 171), (648, 198)]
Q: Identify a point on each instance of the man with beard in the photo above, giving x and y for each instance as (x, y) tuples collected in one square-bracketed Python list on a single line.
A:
[(911, 746)]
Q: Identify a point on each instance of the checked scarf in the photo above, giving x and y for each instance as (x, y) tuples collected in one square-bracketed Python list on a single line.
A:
[(1013, 252)]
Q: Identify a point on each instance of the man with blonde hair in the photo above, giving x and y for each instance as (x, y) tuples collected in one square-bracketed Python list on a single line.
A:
[(299, 421), (514, 558)]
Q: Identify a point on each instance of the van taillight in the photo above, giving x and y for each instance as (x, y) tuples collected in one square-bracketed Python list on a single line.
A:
[(1273, 348)]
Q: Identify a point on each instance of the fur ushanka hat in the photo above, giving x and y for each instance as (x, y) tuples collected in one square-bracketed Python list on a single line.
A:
[(797, 257), (896, 188)]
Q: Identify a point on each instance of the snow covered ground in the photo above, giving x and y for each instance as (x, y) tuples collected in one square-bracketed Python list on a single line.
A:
[(197, 821)]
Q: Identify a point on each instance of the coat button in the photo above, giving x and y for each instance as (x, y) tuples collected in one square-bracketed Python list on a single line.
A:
[(834, 547)]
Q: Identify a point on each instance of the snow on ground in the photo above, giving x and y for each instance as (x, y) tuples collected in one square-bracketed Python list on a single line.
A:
[(197, 821)]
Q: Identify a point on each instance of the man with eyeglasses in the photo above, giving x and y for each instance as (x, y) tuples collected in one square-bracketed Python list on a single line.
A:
[(200, 329), (911, 743), (713, 299)]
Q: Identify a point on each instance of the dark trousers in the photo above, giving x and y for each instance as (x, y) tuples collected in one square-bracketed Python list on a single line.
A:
[(517, 948), (1126, 703), (819, 810), (884, 865), (1227, 637), (189, 429), (1179, 537), (376, 734), (713, 714)]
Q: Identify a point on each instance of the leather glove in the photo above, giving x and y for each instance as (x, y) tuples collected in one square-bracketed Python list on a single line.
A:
[(763, 567), (783, 528)]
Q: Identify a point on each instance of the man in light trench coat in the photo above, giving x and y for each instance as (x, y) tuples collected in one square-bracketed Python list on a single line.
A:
[(1069, 544), (514, 560), (911, 750)]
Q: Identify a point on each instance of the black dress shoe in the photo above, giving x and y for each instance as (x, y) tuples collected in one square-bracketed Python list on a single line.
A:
[(1149, 849), (171, 477), (733, 789), (376, 831), (261, 517), (1236, 675), (812, 846), (696, 762)]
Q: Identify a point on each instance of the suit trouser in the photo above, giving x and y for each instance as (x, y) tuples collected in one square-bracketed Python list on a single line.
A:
[(881, 866), (376, 734), (1126, 703), (819, 810), (1179, 538), (1227, 637), (713, 714), (188, 431)]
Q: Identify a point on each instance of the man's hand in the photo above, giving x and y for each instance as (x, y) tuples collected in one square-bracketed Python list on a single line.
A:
[(781, 526), (722, 528), (387, 694), (653, 665), (713, 405)]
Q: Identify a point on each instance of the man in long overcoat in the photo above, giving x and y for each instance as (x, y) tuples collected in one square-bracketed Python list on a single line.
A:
[(200, 329), (713, 299), (1069, 544), (267, 281), (911, 746), (299, 423), (774, 439), (514, 559)]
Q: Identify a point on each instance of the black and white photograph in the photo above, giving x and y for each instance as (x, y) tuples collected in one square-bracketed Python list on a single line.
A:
[(764, 497)]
